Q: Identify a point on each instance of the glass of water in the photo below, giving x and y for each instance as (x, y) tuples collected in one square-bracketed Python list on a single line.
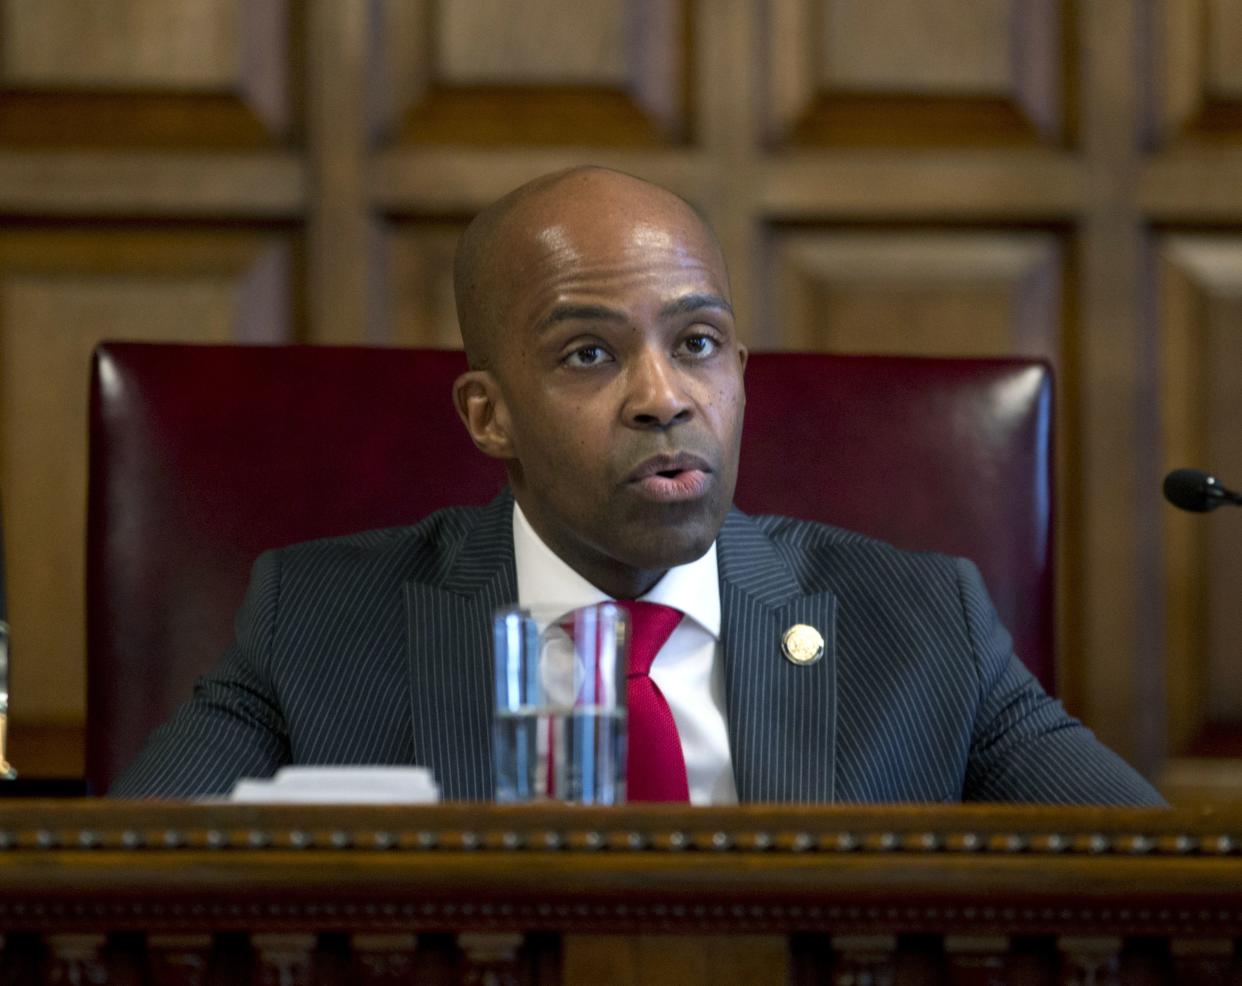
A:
[(559, 728)]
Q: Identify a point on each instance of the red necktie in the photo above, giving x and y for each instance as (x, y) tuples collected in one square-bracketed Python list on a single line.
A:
[(656, 768)]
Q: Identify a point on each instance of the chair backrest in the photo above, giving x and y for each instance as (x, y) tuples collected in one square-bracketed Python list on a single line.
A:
[(204, 456)]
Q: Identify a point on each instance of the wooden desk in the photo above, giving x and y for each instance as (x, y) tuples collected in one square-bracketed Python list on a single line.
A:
[(96, 891)]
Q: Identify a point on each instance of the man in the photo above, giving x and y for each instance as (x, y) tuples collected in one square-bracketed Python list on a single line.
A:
[(607, 372)]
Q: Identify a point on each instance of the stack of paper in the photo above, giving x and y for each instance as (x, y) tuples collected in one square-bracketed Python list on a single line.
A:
[(341, 786)]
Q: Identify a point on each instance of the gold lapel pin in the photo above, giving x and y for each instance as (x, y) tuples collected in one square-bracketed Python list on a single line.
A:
[(802, 644)]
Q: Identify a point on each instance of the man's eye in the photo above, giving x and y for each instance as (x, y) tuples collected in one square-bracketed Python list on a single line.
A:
[(700, 345), (587, 356)]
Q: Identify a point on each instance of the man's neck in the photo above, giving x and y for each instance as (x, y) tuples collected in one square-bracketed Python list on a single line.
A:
[(544, 577), (617, 580), (604, 574), (631, 587), (610, 576)]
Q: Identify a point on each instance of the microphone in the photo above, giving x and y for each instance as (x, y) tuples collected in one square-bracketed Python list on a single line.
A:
[(1198, 491)]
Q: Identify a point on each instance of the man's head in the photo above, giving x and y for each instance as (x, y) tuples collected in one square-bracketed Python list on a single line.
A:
[(605, 370)]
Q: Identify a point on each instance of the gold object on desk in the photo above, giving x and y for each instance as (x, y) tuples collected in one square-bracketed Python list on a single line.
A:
[(7, 771)]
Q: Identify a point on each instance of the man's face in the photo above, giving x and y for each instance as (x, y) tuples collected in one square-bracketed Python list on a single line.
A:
[(620, 375)]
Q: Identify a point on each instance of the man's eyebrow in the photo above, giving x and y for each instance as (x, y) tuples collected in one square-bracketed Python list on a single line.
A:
[(693, 303), (581, 313)]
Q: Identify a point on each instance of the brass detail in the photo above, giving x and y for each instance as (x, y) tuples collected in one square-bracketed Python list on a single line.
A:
[(802, 644)]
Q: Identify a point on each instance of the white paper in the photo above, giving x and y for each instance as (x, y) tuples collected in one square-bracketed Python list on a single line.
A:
[(341, 786)]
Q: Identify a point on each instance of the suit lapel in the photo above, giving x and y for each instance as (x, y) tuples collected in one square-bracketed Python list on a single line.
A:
[(782, 716), (449, 619)]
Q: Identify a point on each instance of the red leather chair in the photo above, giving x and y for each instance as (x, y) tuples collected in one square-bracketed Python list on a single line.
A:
[(204, 456)]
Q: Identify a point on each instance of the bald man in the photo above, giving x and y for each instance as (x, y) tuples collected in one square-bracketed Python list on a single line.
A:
[(606, 372)]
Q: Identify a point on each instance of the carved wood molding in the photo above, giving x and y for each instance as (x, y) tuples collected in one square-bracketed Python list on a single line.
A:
[(177, 868), (899, 829)]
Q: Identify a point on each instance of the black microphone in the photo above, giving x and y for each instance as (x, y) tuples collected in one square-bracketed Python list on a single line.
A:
[(1194, 489)]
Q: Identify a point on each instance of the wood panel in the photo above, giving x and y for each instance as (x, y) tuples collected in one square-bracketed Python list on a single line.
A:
[(937, 47), (131, 185), (479, 42), (918, 292), (595, 72), (1224, 37), (340, 233), (119, 44), (917, 72), (1196, 97), (132, 73), (611, 960), (1200, 282), (61, 292), (420, 266)]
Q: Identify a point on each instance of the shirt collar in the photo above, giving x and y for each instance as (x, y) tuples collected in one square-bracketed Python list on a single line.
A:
[(542, 577)]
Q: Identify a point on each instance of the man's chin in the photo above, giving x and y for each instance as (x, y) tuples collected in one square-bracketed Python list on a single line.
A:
[(661, 548)]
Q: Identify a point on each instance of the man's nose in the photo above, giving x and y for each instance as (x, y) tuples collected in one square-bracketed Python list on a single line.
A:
[(656, 396)]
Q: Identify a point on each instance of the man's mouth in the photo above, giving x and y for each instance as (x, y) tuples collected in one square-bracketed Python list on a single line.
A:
[(670, 478)]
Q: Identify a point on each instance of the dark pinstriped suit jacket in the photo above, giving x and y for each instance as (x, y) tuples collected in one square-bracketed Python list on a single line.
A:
[(375, 649)]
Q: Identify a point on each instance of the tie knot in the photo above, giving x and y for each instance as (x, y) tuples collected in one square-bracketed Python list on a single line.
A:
[(651, 624)]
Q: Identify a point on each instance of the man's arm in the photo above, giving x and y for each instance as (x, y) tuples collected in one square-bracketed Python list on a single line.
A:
[(232, 727), (1025, 746)]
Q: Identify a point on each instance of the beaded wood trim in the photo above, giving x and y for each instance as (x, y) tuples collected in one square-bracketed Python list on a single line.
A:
[(625, 840)]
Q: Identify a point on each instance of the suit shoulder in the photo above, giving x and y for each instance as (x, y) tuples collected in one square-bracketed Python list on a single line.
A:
[(405, 549), (820, 552)]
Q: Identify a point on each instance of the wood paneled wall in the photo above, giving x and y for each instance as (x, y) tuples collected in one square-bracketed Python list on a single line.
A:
[(1050, 177)]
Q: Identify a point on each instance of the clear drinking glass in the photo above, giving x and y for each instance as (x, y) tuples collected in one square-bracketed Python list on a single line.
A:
[(559, 728)]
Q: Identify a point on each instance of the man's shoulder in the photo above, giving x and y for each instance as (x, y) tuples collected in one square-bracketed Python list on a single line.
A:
[(822, 553), (405, 550), (812, 535)]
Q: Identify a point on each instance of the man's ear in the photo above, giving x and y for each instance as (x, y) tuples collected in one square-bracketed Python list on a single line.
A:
[(482, 409)]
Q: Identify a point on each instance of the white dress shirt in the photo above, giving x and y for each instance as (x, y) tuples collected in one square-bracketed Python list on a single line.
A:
[(688, 668)]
